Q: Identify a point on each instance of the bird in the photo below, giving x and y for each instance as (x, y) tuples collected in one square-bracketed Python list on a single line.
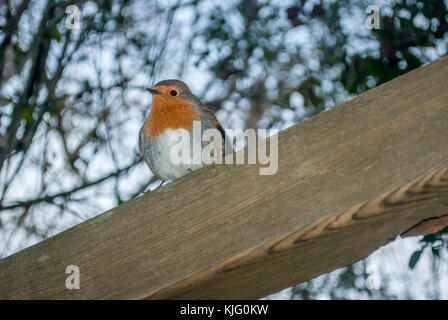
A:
[(173, 107)]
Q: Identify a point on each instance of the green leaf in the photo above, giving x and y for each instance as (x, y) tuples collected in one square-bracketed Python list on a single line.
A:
[(435, 251), (27, 114), (55, 34), (120, 19), (414, 258)]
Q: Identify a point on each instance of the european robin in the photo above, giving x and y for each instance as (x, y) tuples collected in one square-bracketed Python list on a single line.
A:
[(174, 107)]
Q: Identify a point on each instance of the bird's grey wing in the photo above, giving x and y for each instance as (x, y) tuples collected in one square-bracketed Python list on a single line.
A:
[(144, 145), (209, 120), (140, 142)]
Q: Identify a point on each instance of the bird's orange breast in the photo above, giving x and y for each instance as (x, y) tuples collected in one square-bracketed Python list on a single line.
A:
[(171, 114)]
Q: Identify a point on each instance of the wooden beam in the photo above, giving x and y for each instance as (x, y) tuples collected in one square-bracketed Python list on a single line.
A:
[(349, 180)]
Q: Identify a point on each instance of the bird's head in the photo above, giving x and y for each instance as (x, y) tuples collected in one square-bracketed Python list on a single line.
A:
[(173, 92)]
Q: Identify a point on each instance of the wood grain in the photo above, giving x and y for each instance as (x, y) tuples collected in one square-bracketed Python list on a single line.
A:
[(427, 226), (349, 181)]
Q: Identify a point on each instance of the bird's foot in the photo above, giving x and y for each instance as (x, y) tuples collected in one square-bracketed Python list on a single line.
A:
[(161, 183)]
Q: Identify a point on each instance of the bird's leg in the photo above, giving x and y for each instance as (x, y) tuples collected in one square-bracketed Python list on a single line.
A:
[(161, 183)]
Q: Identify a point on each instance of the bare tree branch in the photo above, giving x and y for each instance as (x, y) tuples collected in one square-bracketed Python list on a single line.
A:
[(64, 194)]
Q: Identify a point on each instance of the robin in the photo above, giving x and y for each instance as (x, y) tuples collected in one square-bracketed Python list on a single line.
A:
[(173, 107)]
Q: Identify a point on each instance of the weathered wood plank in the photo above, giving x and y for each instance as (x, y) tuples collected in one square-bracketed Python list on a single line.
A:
[(349, 181)]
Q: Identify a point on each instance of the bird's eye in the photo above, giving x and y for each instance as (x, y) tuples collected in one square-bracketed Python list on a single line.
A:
[(173, 93)]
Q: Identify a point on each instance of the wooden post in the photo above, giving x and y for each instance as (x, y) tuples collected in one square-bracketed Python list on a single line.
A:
[(349, 181)]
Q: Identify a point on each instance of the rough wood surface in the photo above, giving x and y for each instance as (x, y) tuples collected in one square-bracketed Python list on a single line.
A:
[(349, 181)]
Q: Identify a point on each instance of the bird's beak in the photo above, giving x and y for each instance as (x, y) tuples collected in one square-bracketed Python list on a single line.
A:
[(153, 91)]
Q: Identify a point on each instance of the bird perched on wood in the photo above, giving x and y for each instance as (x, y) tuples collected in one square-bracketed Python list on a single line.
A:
[(173, 107)]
